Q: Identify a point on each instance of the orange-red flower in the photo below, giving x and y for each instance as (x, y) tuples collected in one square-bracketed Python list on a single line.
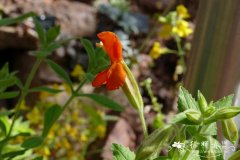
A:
[(114, 76)]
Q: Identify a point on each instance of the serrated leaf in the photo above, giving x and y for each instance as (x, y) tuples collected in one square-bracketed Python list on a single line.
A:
[(103, 100), (60, 71), (45, 89), (209, 130), (91, 53), (9, 21), (50, 116), (52, 34), (122, 153), (224, 102), (210, 149), (186, 101), (32, 142)]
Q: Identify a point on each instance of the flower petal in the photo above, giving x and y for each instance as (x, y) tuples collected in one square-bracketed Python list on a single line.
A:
[(100, 79), (112, 45), (117, 76)]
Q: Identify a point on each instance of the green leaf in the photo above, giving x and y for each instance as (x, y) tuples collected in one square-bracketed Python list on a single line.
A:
[(60, 71), (7, 82), (151, 146), (235, 156), (44, 52), (13, 154), (9, 21), (224, 102), (96, 118), (32, 142), (91, 53), (4, 72), (103, 100), (38, 158), (8, 95), (6, 113), (3, 127), (40, 31), (186, 101), (210, 149), (50, 116), (122, 153), (52, 34), (45, 89), (163, 158), (209, 130)]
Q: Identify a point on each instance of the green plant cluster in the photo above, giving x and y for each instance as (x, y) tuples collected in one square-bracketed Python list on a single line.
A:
[(192, 133)]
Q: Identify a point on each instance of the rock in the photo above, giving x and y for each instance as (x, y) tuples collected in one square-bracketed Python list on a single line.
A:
[(18, 38), (75, 18), (123, 134)]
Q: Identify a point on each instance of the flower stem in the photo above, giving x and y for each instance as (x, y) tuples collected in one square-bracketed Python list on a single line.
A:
[(143, 122), (24, 94)]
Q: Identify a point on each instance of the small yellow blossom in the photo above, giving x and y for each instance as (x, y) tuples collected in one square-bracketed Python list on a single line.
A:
[(23, 105), (166, 31), (71, 131), (44, 151), (83, 138), (101, 131), (182, 29), (157, 50), (78, 72), (65, 143), (34, 116), (67, 88), (182, 11)]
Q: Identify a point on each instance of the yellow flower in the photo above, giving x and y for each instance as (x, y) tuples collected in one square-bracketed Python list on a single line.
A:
[(65, 143), (78, 72), (83, 138), (101, 130), (34, 116), (182, 29), (182, 11), (157, 50), (23, 105), (166, 31), (44, 151), (67, 88)]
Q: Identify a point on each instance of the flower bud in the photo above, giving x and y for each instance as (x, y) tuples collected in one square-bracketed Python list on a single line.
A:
[(194, 116), (202, 103), (131, 90), (229, 129), (222, 113)]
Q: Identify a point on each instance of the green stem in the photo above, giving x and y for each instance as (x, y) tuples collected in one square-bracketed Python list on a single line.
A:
[(143, 122), (73, 95), (24, 93)]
